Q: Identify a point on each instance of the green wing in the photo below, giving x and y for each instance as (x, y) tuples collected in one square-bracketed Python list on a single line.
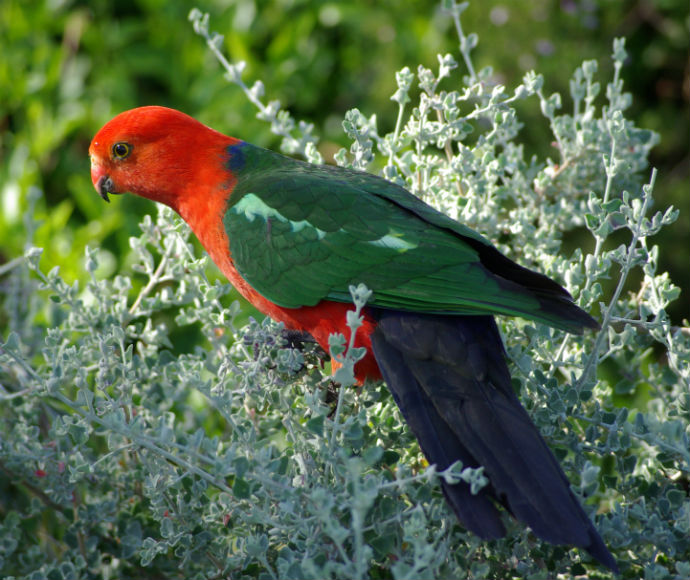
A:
[(301, 233)]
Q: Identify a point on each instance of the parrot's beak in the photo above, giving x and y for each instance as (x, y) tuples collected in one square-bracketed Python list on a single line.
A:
[(104, 186), (103, 183)]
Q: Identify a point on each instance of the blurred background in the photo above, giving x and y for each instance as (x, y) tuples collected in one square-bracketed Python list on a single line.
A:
[(67, 67)]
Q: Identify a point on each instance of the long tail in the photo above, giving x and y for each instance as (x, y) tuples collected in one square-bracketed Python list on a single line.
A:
[(450, 379)]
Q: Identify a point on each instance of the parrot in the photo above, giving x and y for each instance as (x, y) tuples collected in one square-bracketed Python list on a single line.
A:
[(293, 236)]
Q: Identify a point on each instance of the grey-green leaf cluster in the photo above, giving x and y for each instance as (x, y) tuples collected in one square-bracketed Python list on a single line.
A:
[(149, 428)]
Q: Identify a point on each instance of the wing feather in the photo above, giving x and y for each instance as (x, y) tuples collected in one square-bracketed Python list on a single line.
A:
[(301, 233)]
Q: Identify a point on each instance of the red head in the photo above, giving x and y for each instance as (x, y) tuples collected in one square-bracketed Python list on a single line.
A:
[(157, 153)]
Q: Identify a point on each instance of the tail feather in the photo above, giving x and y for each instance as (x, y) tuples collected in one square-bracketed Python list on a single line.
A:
[(449, 377), (438, 441)]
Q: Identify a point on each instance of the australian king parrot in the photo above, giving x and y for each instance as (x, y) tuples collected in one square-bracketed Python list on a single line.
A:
[(293, 236)]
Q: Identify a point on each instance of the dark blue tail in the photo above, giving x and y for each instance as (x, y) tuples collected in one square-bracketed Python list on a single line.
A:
[(450, 379)]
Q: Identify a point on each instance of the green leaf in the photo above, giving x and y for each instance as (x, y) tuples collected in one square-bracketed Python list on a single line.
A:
[(241, 488)]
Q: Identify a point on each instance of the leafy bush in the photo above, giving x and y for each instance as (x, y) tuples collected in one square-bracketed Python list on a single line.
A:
[(149, 431)]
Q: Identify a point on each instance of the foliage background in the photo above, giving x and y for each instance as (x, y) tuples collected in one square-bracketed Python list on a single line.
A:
[(67, 68)]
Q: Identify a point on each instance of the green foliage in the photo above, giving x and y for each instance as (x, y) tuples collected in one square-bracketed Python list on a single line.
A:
[(147, 431)]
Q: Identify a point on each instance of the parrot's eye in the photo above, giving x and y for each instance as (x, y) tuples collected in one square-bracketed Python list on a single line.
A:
[(121, 150)]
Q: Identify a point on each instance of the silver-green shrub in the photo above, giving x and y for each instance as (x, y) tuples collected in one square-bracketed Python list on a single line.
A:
[(147, 432)]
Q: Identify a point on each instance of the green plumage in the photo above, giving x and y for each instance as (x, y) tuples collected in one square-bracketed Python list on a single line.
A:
[(302, 233)]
